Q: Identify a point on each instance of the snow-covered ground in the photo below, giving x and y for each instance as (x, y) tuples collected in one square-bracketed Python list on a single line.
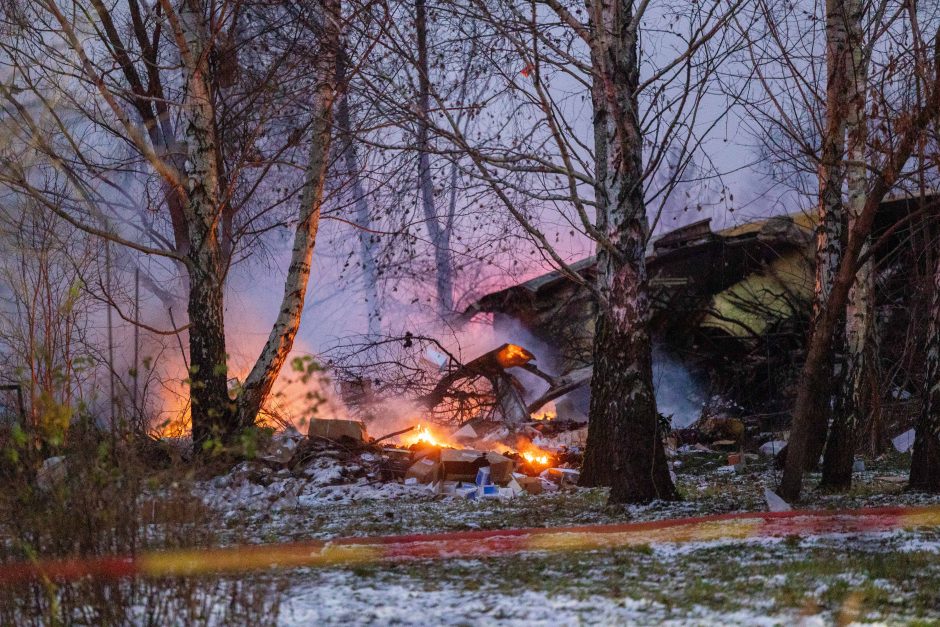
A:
[(888, 577), (339, 598), (751, 582)]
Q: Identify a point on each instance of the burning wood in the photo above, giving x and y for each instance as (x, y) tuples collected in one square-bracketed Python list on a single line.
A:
[(491, 366), (512, 355)]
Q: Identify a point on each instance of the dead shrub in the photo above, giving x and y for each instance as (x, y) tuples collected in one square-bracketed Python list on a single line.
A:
[(109, 501)]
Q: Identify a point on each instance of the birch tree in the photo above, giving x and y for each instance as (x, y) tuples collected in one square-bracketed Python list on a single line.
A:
[(829, 236), (352, 171), (439, 229), (856, 386), (910, 75), (600, 187), (165, 80)]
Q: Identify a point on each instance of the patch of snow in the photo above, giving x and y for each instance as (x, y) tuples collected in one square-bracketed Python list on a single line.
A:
[(340, 598)]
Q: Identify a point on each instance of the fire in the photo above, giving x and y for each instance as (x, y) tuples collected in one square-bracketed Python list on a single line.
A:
[(532, 458), (535, 457), (513, 355), (547, 413), (421, 434)]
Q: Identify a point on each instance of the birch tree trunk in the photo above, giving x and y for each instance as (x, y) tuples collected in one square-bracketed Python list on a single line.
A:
[(268, 366), (829, 237), (807, 439), (624, 447), (884, 177), (440, 234), (211, 407), (925, 465), (854, 398)]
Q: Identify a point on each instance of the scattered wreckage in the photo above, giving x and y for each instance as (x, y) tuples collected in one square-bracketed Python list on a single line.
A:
[(485, 460)]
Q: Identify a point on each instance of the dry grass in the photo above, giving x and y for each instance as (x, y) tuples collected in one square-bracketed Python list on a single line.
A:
[(108, 502)]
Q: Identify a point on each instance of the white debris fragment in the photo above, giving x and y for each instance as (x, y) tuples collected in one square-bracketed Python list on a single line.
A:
[(904, 442), (775, 503), (465, 432), (772, 448), (437, 358)]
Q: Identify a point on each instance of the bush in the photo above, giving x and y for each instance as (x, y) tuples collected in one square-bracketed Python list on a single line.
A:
[(116, 495)]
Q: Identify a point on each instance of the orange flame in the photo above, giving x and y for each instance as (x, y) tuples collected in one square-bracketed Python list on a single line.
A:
[(536, 457), (532, 458), (421, 434), (513, 355), (548, 412)]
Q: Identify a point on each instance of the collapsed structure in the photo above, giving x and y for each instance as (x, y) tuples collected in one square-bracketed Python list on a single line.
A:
[(733, 307)]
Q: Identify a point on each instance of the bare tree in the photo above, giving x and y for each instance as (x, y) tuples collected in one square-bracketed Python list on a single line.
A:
[(925, 463), (210, 133), (534, 162), (46, 339), (915, 64), (854, 398), (439, 229)]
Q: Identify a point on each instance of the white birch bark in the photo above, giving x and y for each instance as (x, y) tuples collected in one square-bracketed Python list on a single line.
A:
[(830, 233), (624, 447), (211, 410), (860, 308), (854, 393), (266, 369)]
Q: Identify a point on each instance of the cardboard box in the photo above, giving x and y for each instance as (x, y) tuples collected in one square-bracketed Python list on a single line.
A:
[(461, 465), (431, 452), (424, 470), (563, 475), (501, 468), (337, 429), (490, 491), (532, 485), (467, 492)]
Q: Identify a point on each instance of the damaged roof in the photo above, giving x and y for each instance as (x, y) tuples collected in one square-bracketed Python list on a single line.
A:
[(740, 280), (688, 264), (750, 306)]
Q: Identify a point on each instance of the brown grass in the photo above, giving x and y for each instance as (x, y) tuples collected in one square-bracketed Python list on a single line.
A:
[(116, 497)]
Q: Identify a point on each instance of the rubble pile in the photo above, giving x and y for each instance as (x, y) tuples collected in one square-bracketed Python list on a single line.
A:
[(482, 461)]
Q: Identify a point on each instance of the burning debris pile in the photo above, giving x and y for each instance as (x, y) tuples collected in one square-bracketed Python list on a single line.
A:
[(505, 449), (485, 460)]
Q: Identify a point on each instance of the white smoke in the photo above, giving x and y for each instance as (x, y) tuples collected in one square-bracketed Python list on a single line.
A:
[(678, 393)]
